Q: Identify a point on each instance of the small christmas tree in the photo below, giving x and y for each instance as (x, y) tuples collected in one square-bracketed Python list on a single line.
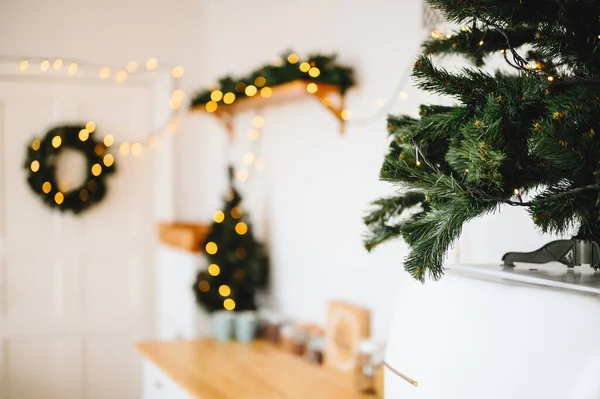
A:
[(532, 131), (238, 263)]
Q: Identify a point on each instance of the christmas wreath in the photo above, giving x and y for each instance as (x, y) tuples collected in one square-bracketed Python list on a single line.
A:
[(41, 164)]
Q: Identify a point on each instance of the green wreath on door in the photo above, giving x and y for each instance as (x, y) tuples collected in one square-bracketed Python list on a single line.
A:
[(43, 154)]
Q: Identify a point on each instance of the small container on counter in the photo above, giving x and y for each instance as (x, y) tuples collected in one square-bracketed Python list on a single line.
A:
[(223, 325), (299, 341), (369, 361), (315, 349), (245, 326), (286, 335), (270, 327)]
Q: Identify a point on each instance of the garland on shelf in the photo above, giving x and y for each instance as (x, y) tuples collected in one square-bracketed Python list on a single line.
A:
[(317, 68), (41, 163)]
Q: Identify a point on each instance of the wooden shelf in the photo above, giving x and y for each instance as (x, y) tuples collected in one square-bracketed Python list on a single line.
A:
[(327, 94), (186, 236)]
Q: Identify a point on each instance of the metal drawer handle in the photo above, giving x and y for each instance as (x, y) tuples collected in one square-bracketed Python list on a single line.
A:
[(399, 374)]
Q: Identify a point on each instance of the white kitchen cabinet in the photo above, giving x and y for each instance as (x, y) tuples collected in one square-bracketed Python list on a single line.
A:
[(157, 385), (178, 316), (487, 331)]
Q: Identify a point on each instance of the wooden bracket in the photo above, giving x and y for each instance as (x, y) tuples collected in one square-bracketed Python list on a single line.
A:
[(281, 94)]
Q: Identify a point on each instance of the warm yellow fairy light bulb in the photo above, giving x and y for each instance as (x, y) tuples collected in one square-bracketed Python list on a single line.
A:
[(151, 64), (260, 81), (136, 149), (218, 216), (448, 36), (481, 42), (99, 149), (216, 95), (550, 78), (345, 114), (96, 169), (35, 166), (251, 90), (241, 253), (46, 187), (121, 76), (312, 88), (236, 212), (516, 191), (501, 51), (418, 163), (24, 65), (104, 73), (124, 148), (36, 144), (57, 64), (305, 67), (253, 135), (240, 86), (248, 158), (403, 95), (314, 72), (73, 67), (174, 104), (177, 72), (228, 98), (211, 248), (59, 198), (178, 95), (211, 106), (258, 121), (84, 134), (214, 270), (436, 34), (241, 228), (229, 304), (239, 274), (108, 160), (132, 67), (224, 290), (242, 175), (109, 140), (56, 141), (204, 286), (266, 92), (293, 58), (90, 126), (45, 65)]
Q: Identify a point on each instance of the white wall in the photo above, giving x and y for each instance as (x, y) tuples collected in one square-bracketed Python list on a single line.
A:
[(309, 202)]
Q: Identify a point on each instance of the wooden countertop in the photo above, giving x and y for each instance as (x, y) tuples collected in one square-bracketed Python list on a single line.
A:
[(208, 369)]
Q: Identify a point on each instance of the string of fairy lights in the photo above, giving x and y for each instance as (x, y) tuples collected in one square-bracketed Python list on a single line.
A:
[(58, 69)]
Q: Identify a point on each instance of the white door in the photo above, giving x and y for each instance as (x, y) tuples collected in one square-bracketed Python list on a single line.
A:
[(75, 291)]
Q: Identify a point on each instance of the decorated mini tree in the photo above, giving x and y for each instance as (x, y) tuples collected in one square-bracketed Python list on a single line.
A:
[(238, 263), (531, 131)]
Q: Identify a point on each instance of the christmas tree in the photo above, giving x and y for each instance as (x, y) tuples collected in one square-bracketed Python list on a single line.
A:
[(238, 263), (528, 131)]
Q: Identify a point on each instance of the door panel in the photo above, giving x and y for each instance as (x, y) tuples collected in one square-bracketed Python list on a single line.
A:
[(75, 291)]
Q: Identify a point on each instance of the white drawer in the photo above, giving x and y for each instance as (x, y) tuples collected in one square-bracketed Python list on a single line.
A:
[(157, 385)]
